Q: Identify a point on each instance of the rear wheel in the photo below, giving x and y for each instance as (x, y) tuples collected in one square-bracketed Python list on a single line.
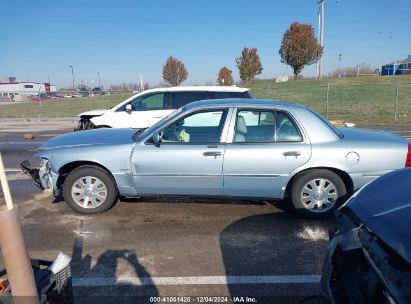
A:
[(89, 189), (317, 193)]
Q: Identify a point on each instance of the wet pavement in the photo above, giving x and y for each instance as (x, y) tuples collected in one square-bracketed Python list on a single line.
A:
[(164, 247)]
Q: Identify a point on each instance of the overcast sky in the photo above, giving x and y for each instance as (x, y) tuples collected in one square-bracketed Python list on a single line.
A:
[(123, 38)]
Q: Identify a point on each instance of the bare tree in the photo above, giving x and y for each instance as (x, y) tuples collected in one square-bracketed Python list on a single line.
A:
[(225, 77), (299, 47), (174, 71)]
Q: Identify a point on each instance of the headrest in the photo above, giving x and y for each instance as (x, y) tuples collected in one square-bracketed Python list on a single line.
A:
[(241, 126)]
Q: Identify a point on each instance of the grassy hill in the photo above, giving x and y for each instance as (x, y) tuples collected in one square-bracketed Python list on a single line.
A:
[(360, 100), (61, 108)]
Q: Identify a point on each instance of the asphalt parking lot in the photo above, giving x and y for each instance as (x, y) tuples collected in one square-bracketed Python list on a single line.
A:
[(171, 246)]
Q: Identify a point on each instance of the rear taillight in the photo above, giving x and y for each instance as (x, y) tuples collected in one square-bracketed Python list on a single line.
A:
[(408, 160)]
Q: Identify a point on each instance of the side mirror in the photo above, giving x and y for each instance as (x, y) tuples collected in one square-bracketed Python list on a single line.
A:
[(156, 138), (128, 108)]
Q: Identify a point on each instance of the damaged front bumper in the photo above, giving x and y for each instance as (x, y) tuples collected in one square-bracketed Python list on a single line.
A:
[(84, 123), (43, 177), (32, 172)]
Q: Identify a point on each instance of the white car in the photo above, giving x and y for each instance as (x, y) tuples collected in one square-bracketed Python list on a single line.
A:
[(146, 108)]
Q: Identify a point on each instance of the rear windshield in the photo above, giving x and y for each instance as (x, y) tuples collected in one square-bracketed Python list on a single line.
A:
[(325, 121)]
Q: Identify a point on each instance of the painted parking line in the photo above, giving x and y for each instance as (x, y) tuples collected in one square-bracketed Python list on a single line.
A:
[(198, 280)]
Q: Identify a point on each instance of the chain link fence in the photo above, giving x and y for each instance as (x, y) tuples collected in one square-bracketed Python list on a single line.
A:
[(363, 103), (380, 103)]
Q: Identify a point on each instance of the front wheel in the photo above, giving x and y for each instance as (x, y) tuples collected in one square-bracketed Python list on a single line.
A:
[(317, 193), (89, 189)]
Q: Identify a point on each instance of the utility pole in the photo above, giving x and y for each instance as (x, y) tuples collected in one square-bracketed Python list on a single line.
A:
[(318, 35), (98, 74), (320, 68), (72, 74), (339, 65)]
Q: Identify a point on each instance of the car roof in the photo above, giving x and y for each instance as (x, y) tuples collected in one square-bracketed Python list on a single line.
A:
[(242, 102), (199, 88)]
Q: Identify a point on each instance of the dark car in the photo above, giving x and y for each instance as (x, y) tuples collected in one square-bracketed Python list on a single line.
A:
[(369, 257), (97, 91), (84, 93)]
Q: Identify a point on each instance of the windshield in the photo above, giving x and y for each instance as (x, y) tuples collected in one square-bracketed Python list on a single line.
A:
[(157, 124)]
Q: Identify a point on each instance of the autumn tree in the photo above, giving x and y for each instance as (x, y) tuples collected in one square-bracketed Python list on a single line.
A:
[(225, 77), (249, 64), (174, 71), (299, 47)]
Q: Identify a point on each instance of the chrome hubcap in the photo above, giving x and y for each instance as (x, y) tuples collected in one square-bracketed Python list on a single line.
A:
[(319, 195), (89, 192)]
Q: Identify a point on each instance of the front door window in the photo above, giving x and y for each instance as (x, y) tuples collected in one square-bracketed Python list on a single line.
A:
[(200, 127), (154, 101)]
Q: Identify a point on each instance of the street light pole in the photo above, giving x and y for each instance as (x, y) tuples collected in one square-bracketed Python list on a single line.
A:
[(72, 74), (339, 65)]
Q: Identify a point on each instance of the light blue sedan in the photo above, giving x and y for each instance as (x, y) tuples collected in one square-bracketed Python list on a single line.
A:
[(229, 147)]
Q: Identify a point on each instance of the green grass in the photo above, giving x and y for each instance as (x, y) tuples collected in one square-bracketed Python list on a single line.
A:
[(61, 108), (363, 100)]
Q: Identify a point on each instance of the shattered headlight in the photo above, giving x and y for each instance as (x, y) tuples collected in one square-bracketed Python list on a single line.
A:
[(44, 165)]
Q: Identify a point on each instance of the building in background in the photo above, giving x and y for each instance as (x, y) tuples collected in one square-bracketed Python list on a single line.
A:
[(10, 90), (399, 67)]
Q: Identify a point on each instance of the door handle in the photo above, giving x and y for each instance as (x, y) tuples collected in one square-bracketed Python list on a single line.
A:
[(156, 117), (292, 153), (214, 153)]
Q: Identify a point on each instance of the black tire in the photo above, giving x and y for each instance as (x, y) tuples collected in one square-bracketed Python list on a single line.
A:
[(315, 175), (96, 173)]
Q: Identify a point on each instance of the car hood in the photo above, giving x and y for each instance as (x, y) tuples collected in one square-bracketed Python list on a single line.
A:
[(364, 135), (384, 206), (93, 113), (91, 137)]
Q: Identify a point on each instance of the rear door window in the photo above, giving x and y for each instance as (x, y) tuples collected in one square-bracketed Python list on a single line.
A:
[(265, 126), (179, 99), (286, 130)]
